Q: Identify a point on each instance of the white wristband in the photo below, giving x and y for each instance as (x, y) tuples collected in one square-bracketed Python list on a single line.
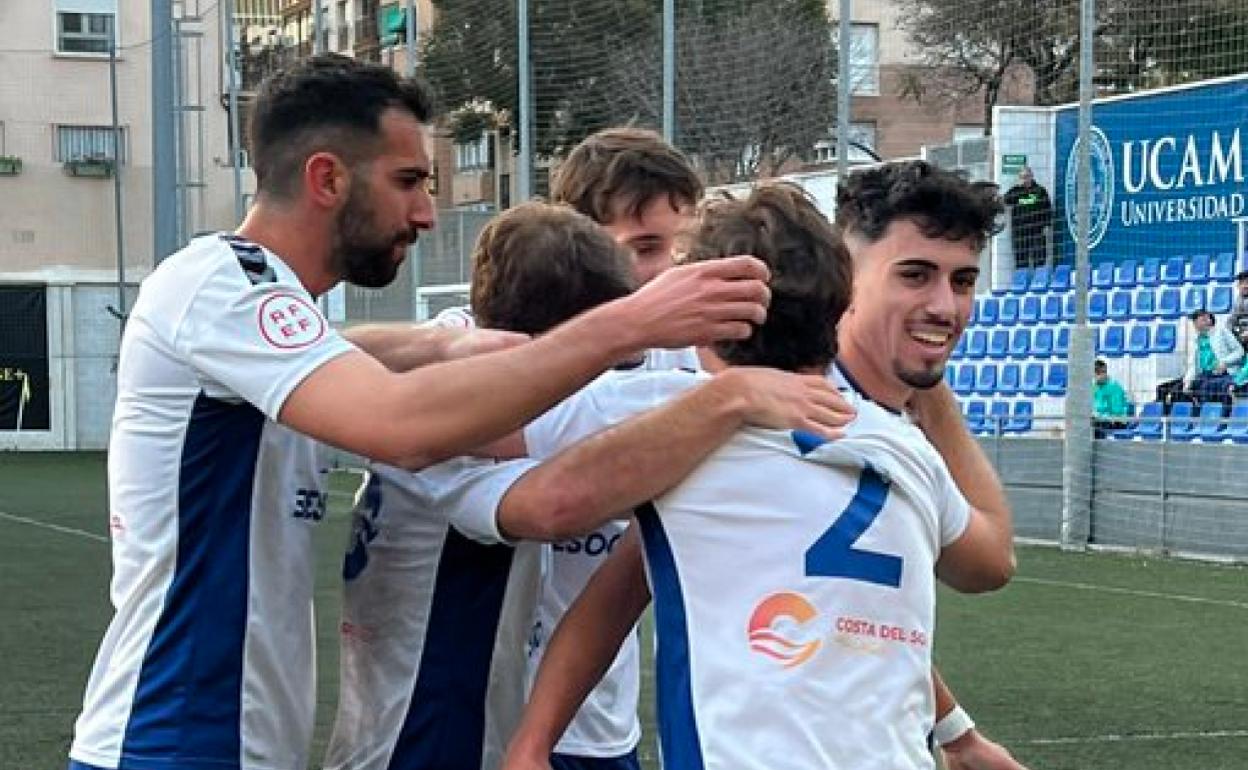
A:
[(952, 726)]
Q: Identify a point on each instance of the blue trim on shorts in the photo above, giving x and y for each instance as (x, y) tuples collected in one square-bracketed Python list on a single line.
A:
[(627, 761)]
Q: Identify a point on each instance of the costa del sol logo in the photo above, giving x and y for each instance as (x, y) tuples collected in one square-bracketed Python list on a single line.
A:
[(783, 627)]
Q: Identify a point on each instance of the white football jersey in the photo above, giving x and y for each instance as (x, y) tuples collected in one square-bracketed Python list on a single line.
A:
[(794, 618), (209, 659), (436, 609)]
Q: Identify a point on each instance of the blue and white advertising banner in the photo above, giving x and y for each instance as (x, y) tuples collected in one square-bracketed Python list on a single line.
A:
[(1167, 173)]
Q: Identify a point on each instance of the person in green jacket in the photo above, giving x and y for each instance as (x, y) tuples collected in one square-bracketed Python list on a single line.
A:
[(1110, 406)]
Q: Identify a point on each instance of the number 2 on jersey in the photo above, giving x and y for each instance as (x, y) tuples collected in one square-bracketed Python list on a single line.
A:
[(834, 554)]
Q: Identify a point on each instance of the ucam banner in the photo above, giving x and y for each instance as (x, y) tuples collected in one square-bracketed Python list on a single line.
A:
[(1167, 172)]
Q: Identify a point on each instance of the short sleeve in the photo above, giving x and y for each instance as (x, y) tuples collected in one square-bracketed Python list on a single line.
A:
[(256, 340), (952, 508), (469, 490)]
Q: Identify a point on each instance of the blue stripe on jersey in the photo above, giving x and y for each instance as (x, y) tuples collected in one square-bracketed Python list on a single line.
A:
[(807, 442), (445, 724), (187, 706), (678, 725)]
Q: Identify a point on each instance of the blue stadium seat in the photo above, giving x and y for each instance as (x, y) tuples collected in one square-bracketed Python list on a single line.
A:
[(998, 416), (1113, 340), (1068, 307), (1103, 275), (1009, 380), (1042, 342), (1124, 274), (1198, 268), (1182, 425), (951, 373), (1172, 271), (1139, 341), (1150, 272), (959, 347), (988, 308), (1029, 310), (964, 380), (1220, 299), (1165, 339), (1193, 299), (1020, 281), (1222, 268), (1020, 343), (974, 319), (986, 380), (999, 343), (1061, 343), (1168, 305), (1033, 380), (977, 347), (1061, 280), (1098, 305), (975, 411), (1008, 313), (1051, 310), (1237, 427), (1055, 380), (1119, 306), (1020, 419), (1149, 427), (1145, 305), (1210, 427), (1039, 280)]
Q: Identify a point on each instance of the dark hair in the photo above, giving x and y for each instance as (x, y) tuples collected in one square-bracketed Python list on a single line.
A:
[(1198, 313), (1241, 275), (942, 204), (1100, 364), (811, 274), (537, 265), (618, 171), (325, 103)]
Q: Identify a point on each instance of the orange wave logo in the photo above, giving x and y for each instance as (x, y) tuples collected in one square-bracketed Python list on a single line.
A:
[(781, 628)]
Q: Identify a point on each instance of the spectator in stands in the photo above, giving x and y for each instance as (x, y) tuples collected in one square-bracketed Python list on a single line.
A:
[(1238, 322), (1214, 361), (1110, 406), (1031, 214)]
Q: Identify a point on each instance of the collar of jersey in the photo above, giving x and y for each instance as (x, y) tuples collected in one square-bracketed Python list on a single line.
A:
[(840, 369)]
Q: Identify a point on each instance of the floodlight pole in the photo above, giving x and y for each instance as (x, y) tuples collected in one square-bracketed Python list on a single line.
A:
[(669, 71), (843, 89), (524, 170), (164, 146)]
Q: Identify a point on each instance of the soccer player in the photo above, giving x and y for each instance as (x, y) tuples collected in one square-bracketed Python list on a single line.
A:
[(228, 378), (437, 603), (915, 232)]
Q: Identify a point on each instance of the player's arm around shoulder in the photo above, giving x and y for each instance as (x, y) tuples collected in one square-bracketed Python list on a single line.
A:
[(981, 557), (616, 467)]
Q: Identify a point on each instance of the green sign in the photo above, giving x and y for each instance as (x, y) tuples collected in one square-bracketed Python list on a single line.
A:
[(1012, 164)]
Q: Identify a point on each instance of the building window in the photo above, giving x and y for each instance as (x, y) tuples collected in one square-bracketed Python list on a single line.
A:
[(83, 32), (87, 143), (963, 132), (861, 135), (475, 155), (864, 59)]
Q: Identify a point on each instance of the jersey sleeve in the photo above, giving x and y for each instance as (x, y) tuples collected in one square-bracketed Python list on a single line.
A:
[(469, 491), (952, 509), (611, 399), (257, 341)]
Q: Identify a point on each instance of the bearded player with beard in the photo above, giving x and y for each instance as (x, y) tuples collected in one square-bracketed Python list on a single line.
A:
[(229, 377)]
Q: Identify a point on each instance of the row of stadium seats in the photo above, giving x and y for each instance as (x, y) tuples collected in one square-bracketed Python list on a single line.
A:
[(1128, 273), (1209, 425), (1166, 302), (1008, 379), (1044, 342), (996, 418)]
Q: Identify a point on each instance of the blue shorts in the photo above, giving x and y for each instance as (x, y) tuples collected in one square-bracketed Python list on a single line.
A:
[(569, 762)]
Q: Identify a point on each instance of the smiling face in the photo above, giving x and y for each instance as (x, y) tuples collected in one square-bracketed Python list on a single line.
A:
[(387, 205), (912, 299)]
